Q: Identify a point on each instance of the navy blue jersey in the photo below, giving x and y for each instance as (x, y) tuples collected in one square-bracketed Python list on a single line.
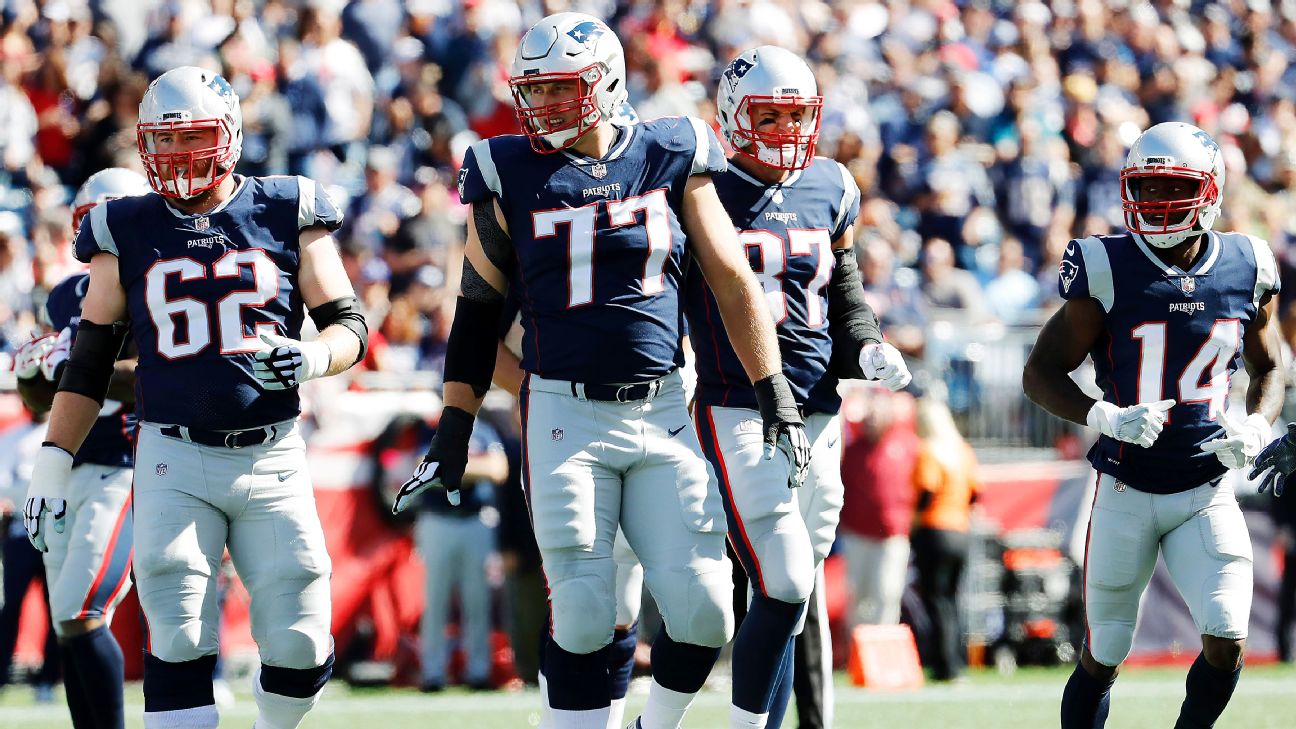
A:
[(111, 441), (199, 289), (787, 230), (599, 248), (1168, 334)]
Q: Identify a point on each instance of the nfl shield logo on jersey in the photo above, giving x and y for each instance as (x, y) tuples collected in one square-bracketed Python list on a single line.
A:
[(599, 171), (201, 223), (1188, 284), (556, 434), (161, 469)]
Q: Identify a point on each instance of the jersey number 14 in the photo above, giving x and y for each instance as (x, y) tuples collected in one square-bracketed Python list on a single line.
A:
[(1204, 379)]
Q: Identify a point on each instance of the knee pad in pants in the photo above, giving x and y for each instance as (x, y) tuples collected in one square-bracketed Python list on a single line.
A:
[(583, 610)]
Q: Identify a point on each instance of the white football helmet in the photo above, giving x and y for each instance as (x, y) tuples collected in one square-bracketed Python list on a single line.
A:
[(184, 99), (572, 47), (105, 185), (1173, 149), (769, 75)]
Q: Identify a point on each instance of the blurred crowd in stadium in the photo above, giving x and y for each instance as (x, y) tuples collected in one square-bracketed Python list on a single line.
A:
[(984, 135)]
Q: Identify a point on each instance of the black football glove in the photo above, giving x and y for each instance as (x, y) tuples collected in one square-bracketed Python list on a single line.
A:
[(444, 464), (1280, 456), (782, 426)]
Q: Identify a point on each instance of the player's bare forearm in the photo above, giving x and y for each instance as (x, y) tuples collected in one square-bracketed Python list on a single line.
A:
[(122, 385), (1061, 347), (344, 348), (460, 395), (738, 294), (71, 417), (1261, 347), (37, 393), (508, 370)]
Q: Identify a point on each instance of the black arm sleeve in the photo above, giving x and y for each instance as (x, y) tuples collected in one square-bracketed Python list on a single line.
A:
[(89, 367), (851, 321), (470, 350), (345, 311), (495, 243)]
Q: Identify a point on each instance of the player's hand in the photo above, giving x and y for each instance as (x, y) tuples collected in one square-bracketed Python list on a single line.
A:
[(444, 464), (884, 363), (46, 505), (1279, 458), (52, 363), (1242, 442), (27, 360), (286, 363), (1137, 424), (782, 426)]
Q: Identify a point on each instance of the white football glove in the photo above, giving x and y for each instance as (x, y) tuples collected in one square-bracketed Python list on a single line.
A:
[(884, 363), (47, 494), (286, 363), (1242, 442), (27, 360), (57, 355), (1138, 424)]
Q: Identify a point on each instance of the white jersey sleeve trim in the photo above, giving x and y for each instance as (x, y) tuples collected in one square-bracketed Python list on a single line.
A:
[(1098, 272), (702, 150), (486, 166), (849, 191), (103, 235), (305, 202), (1266, 268)]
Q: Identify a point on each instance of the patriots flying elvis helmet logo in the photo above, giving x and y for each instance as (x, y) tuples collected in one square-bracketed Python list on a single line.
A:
[(587, 33), (736, 71)]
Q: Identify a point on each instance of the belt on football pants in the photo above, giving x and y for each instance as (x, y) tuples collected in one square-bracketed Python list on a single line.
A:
[(631, 392), (221, 438)]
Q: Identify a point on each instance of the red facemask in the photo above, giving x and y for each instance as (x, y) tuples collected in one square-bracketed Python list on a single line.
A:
[(782, 150), (535, 119), (170, 182), (1175, 216)]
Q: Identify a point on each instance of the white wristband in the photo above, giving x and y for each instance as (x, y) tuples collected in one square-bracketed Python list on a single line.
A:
[(1100, 418), (316, 358), (50, 473)]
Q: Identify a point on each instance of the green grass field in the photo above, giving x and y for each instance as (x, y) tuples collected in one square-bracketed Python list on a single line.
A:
[(1143, 699)]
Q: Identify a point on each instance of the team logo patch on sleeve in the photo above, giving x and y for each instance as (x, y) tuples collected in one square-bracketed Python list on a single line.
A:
[(1067, 271), (463, 177)]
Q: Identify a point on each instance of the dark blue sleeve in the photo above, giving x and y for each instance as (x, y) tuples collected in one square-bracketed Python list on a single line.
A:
[(478, 178), (94, 236), (849, 207), (1073, 281), (315, 207), (709, 155), (63, 304)]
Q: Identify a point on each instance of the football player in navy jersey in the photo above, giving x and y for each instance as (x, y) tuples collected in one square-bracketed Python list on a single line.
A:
[(214, 273), (88, 562), (592, 224), (795, 214), (1168, 311)]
